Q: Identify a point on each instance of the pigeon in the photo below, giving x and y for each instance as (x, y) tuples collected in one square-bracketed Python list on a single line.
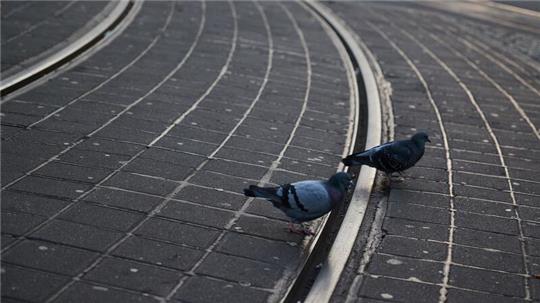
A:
[(391, 157), (305, 200)]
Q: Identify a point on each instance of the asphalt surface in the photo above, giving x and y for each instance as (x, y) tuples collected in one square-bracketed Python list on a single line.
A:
[(122, 177), (464, 225)]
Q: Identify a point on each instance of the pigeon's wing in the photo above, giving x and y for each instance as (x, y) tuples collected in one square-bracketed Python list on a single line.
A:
[(308, 200), (394, 157)]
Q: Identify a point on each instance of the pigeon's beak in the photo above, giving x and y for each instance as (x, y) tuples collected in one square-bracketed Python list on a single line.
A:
[(428, 140)]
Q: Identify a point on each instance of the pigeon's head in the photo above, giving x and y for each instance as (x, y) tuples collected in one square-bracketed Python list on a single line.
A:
[(420, 139), (341, 180)]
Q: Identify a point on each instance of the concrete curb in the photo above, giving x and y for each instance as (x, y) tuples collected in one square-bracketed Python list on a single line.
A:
[(328, 277), (72, 48)]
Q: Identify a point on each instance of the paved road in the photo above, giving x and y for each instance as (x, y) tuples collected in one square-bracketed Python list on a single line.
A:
[(122, 177), (32, 30), (464, 225)]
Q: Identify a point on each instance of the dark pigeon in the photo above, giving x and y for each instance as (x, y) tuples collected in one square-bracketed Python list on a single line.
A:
[(305, 200), (390, 157)]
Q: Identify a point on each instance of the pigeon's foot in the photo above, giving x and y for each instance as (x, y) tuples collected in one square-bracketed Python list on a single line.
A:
[(304, 231)]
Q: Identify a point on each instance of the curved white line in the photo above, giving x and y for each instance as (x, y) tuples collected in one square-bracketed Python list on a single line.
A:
[(497, 146)]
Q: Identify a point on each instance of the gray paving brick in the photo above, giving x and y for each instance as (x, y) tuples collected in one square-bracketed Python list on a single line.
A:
[(85, 292), (490, 281), (23, 202), (158, 168), (109, 146), (489, 259), (531, 229), (102, 217), (51, 187), (16, 279), (413, 248), (208, 290), (422, 198), (124, 199), (19, 223), (173, 157), (177, 232), (49, 257), (140, 183), (418, 213), (78, 235), (483, 207), (458, 295), (158, 253), (405, 268), (269, 251), (241, 270), (186, 145), (94, 159), (487, 223), (220, 181), (211, 197), (135, 276), (481, 193), (485, 239), (72, 172), (196, 214), (404, 291), (533, 246), (415, 229), (267, 228)]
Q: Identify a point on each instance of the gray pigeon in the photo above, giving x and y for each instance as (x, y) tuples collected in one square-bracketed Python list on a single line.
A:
[(393, 156), (305, 200)]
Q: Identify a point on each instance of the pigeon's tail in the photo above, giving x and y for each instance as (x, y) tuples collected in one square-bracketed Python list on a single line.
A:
[(261, 192), (356, 159)]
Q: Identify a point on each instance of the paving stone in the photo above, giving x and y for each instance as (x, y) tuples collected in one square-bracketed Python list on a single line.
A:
[(15, 281), (177, 232), (196, 214), (109, 146), (490, 281), (531, 229), (269, 251), (533, 246), (158, 253), (485, 239), (208, 290), (488, 259), (220, 181), (236, 169), (85, 292), (49, 257), (267, 228), (186, 145), (19, 223), (78, 235), (140, 183), (403, 291), (422, 198), (406, 268), (102, 217), (45, 186), (418, 213), (94, 159), (241, 270), (28, 203), (484, 207), (173, 157), (72, 172), (135, 276), (458, 295), (486, 223), (211, 197), (413, 248), (415, 229), (161, 169), (124, 199)]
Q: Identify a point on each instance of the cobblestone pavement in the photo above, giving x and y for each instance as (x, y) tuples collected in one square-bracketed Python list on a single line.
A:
[(464, 225), (122, 177), (32, 30)]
